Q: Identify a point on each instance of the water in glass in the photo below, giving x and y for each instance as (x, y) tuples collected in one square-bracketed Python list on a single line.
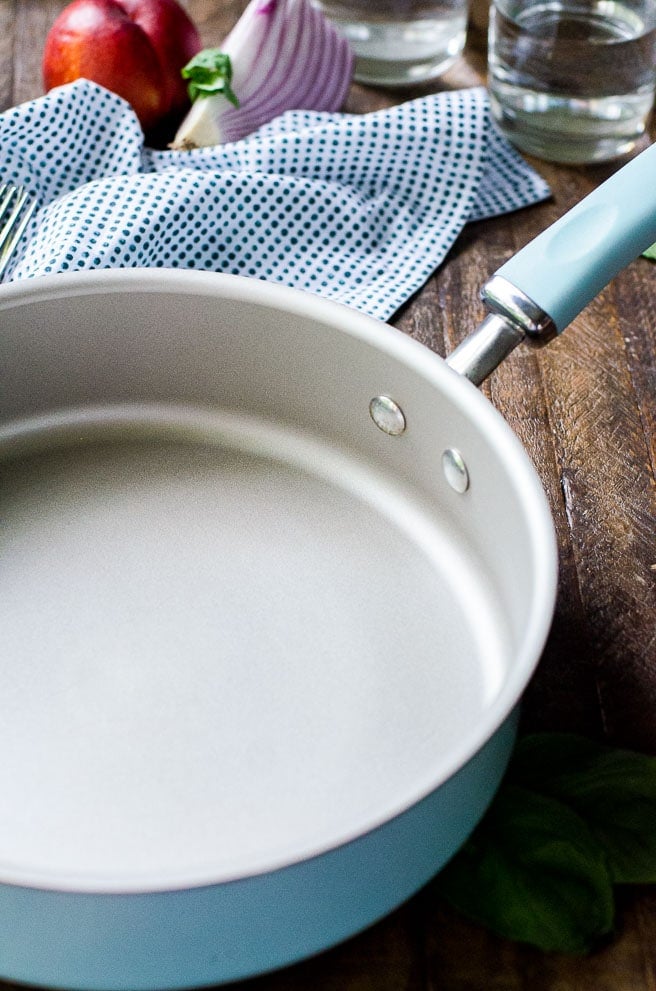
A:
[(573, 81)]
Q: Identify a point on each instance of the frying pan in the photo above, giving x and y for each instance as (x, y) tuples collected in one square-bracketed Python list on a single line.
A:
[(274, 578)]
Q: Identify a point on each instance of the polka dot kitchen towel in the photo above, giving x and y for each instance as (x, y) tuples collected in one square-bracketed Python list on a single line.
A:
[(360, 209)]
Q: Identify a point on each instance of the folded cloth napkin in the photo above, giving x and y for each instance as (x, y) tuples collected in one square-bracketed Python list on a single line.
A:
[(360, 209)]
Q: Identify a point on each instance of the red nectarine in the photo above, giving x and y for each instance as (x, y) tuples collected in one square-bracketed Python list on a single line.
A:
[(135, 48)]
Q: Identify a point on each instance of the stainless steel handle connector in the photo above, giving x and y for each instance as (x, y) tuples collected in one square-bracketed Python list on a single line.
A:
[(514, 317), (502, 297), (485, 348)]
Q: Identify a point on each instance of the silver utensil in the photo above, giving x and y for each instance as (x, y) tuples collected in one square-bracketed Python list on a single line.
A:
[(15, 211)]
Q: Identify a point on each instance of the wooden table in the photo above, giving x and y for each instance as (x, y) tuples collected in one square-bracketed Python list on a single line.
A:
[(585, 410)]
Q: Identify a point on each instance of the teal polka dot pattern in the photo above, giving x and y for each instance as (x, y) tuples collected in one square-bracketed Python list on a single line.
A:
[(360, 209)]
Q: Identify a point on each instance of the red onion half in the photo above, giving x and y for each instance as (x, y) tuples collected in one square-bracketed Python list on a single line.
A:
[(282, 55)]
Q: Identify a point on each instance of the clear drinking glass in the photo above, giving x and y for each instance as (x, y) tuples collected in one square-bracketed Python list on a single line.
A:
[(400, 42), (572, 80)]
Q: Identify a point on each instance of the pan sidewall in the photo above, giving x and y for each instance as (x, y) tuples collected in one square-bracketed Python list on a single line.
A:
[(224, 932)]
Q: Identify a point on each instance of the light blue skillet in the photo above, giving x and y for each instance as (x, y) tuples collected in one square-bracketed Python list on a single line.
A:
[(540, 290), (305, 694)]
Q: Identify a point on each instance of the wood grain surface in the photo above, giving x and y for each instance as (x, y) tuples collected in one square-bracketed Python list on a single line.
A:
[(585, 410)]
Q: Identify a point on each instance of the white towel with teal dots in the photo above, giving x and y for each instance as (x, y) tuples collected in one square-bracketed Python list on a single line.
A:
[(357, 208)]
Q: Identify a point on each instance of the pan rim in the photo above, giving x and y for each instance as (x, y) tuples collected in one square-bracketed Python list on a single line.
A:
[(462, 394)]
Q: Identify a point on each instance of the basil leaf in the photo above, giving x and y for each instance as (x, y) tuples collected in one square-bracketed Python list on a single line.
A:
[(533, 872), (541, 757), (650, 252), (614, 790)]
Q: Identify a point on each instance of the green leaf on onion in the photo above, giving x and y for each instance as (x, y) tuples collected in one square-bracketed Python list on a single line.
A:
[(210, 73)]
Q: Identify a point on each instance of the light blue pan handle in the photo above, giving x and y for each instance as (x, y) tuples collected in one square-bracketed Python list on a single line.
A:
[(567, 265), (545, 285)]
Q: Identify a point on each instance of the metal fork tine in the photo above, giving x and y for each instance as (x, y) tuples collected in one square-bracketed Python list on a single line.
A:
[(15, 214), (6, 196)]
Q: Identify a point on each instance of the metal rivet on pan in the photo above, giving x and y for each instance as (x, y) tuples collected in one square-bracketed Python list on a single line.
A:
[(387, 415), (455, 469)]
